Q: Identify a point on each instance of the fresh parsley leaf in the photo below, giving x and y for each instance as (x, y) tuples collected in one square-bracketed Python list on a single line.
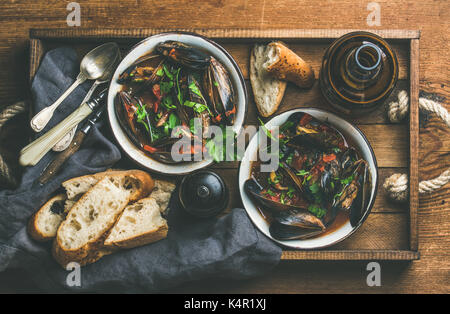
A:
[(266, 130), (283, 198), (167, 102), (314, 188), (195, 89), (197, 107), (167, 72), (302, 172), (290, 192), (179, 94), (165, 87), (173, 121), (346, 181), (193, 128), (160, 72), (317, 210)]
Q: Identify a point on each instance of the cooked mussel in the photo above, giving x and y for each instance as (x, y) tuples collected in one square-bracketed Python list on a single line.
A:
[(295, 224), (355, 192), (125, 110), (140, 71), (219, 89), (184, 54), (310, 131), (254, 189), (196, 96)]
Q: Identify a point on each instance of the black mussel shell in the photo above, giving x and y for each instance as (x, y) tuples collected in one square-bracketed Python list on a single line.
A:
[(254, 190), (295, 224), (184, 54)]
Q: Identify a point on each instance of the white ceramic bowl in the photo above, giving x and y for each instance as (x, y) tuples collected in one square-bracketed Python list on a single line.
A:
[(148, 45), (351, 133)]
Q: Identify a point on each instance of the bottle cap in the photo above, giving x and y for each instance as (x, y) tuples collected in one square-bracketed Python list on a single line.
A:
[(203, 194)]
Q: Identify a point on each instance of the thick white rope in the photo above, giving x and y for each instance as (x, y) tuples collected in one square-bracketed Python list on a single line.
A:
[(397, 185)]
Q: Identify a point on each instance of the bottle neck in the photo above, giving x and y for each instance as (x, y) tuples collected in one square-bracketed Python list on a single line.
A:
[(364, 63)]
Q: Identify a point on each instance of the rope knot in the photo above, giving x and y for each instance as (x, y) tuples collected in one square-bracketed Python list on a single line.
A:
[(397, 187)]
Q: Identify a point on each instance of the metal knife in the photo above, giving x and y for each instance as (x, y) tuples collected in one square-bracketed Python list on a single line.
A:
[(31, 154), (54, 166)]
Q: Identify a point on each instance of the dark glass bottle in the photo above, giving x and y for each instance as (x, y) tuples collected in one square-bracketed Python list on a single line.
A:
[(359, 71)]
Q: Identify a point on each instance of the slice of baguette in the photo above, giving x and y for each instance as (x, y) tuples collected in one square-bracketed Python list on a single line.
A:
[(267, 90), (284, 64), (43, 224), (76, 187), (81, 236), (140, 223)]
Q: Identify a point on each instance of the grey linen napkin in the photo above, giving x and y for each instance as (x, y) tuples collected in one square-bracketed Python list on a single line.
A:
[(228, 247)]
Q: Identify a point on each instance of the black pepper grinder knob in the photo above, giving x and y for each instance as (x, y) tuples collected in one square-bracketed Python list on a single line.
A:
[(203, 194)]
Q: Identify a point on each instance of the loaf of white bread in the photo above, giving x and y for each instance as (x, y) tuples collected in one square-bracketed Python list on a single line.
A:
[(101, 213)]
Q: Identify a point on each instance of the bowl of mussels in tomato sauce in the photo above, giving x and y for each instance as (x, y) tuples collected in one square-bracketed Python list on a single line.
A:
[(323, 186), (172, 86)]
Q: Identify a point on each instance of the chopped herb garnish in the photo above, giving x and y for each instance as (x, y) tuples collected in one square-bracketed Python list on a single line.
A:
[(195, 89), (302, 172), (165, 87), (168, 102), (314, 188), (167, 72), (266, 130), (173, 121), (196, 106), (290, 192), (317, 210), (347, 180)]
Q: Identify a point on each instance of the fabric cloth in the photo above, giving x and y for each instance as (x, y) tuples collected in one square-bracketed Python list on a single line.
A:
[(228, 247)]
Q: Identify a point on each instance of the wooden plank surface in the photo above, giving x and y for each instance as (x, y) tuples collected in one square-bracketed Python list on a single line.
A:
[(432, 272), (414, 144)]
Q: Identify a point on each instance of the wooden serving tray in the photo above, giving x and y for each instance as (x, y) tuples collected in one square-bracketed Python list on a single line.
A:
[(391, 230)]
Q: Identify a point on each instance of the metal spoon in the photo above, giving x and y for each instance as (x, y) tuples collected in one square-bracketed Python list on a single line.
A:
[(92, 67), (106, 77)]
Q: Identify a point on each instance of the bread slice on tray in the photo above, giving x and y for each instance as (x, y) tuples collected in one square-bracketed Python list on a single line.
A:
[(81, 235), (268, 91), (45, 222), (284, 64), (141, 222)]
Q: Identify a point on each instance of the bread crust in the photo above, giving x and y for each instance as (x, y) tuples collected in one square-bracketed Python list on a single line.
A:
[(32, 226), (94, 250), (146, 181), (141, 239), (291, 67), (281, 89)]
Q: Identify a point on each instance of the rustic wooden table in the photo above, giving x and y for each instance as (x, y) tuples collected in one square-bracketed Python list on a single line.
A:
[(429, 274)]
